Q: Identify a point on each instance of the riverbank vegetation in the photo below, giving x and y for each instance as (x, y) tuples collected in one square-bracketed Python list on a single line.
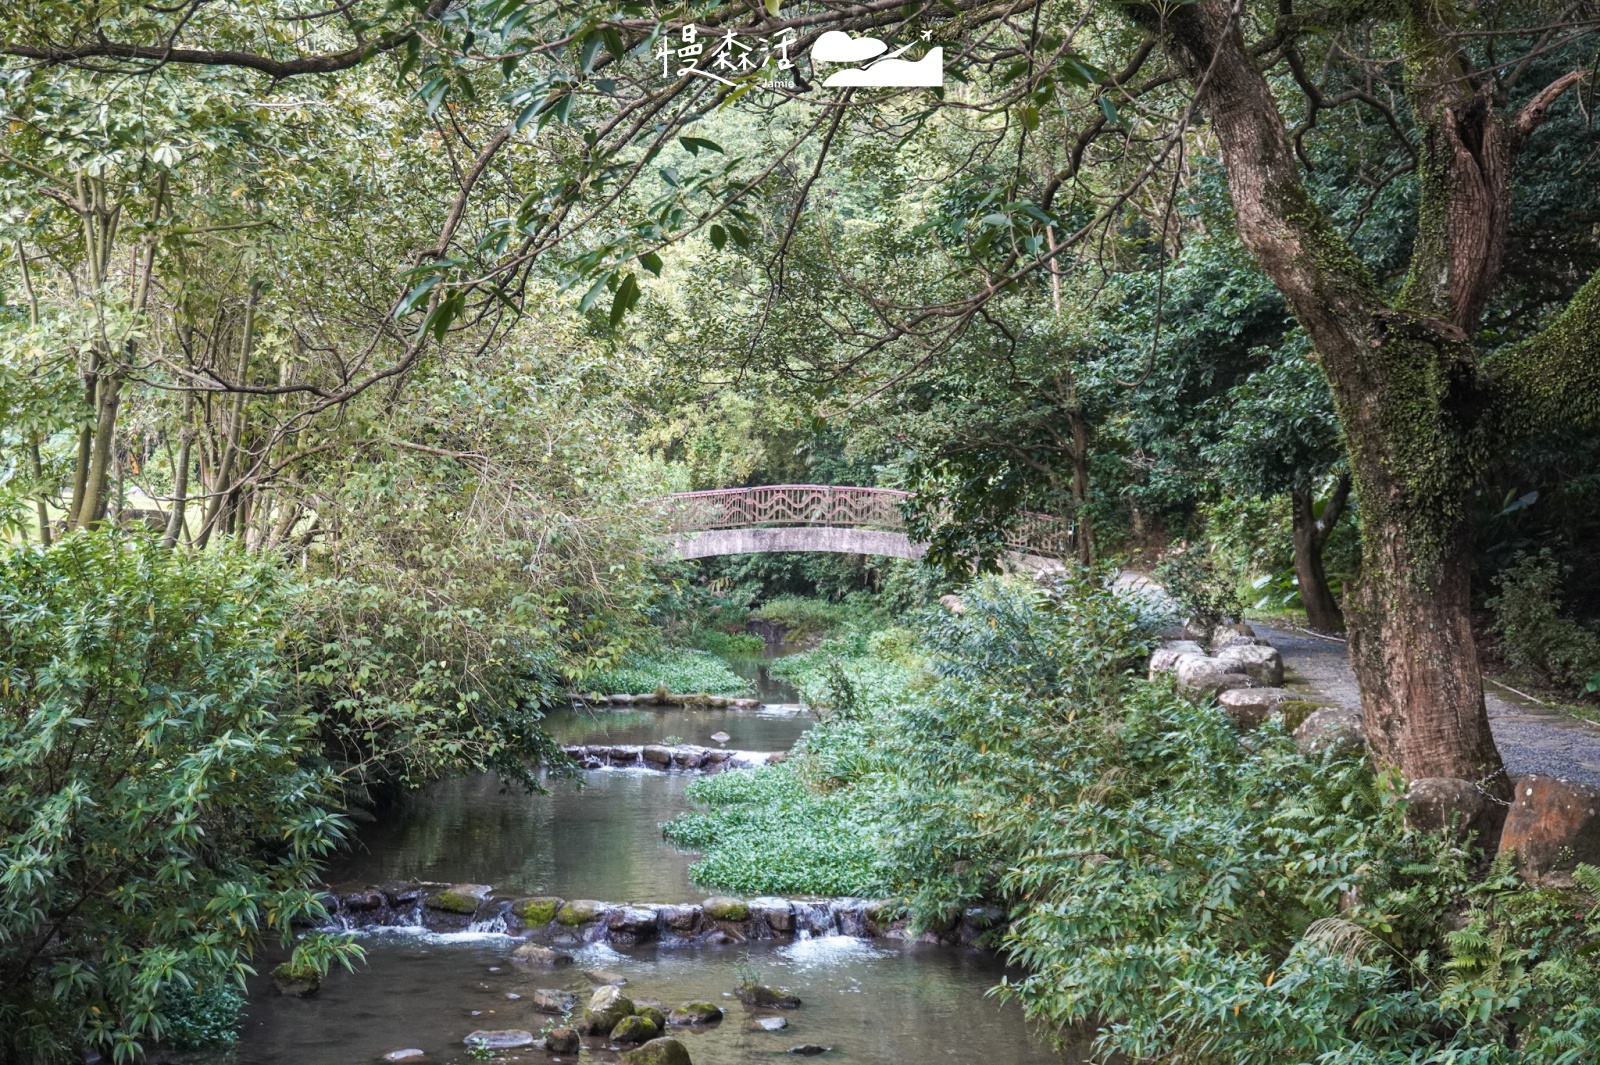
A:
[(1176, 888), (346, 352)]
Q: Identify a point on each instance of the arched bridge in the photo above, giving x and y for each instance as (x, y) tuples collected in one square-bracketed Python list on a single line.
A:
[(813, 517)]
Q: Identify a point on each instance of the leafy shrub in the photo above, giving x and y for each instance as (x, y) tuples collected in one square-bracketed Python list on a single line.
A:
[(723, 644), (1201, 899), (804, 618), (198, 1019), (1535, 640), (675, 669), (161, 809), (1203, 588)]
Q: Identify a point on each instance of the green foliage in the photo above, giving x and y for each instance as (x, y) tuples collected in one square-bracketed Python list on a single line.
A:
[(1191, 575), (805, 618), (1198, 898), (1536, 641), (768, 833), (208, 1017), (722, 644), (161, 810), (674, 669)]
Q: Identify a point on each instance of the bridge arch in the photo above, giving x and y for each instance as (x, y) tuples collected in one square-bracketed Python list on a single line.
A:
[(830, 518)]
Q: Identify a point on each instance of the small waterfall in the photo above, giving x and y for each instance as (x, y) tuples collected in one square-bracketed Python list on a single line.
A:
[(495, 922)]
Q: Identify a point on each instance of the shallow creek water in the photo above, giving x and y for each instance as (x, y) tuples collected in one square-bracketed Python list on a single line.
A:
[(870, 1000)]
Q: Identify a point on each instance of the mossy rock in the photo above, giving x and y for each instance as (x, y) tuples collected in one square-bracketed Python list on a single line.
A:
[(463, 899), (769, 997), (655, 1016), (608, 1007), (296, 981), (1295, 712), (695, 1013), (663, 1051), (635, 1029), (726, 909), (578, 911), (537, 911)]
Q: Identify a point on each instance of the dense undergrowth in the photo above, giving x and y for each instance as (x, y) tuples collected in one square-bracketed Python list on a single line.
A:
[(673, 669), (1181, 891)]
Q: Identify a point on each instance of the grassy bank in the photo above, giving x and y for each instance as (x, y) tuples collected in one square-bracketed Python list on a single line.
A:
[(675, 669), (1196, 897)]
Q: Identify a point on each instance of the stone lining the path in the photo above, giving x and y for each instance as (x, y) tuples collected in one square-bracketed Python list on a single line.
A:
[(550, 923), (682, 758)]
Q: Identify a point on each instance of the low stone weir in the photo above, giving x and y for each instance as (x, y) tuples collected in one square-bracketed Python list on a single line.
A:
[(550, 923), (683, 758), (662, 698)]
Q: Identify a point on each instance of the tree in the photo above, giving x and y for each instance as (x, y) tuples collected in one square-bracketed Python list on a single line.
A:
[(1282, 438), (162, 813)]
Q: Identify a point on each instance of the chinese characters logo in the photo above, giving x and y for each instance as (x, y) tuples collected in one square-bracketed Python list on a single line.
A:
[(736, 55)]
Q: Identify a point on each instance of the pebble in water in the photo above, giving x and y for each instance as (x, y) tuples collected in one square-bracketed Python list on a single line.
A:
[(407, 1054), (772, 1024), (721, 737)]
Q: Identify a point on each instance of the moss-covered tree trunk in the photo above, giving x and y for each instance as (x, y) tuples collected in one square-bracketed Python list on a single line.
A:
[(1417, 409)]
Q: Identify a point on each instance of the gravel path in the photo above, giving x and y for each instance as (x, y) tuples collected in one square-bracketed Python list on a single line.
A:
[(1532, 738)]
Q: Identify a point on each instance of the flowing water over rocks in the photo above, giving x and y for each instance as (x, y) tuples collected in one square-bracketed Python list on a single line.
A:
[(453, 970)]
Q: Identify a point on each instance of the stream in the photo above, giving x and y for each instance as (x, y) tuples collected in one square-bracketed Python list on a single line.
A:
[(877, 1001)]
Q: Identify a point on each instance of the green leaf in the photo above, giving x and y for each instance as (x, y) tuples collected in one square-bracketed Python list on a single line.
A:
[(594, 292), (719, 237), (694, 144), (651, 262), (627, 295), (772, 7)]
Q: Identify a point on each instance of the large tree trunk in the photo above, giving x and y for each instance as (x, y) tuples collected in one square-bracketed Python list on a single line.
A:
[(1404, 377)]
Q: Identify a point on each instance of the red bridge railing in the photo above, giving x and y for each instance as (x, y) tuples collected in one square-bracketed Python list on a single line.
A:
[(837, 506)]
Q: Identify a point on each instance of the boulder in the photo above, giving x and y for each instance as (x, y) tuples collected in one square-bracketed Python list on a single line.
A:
[(652, 1011), (663, 1051), (762, 995), (537, 911), (401, 894), (406, 1054), (296, 981), (1249, 707), (538, 956), (637, 921), (500, 1039), (462, 898), (657, 754), (607, 1007), (580, 911), (552, 1000), (1332, 728), (1445, 804), (681, 918), (1220, 633), (1165, 659), (689, 757), (778, 913), (563, 1041), (726, 909), (1199, 673), (635, 1029), (1553, 825), (695, 1013), (1263, 665), (361, 901)]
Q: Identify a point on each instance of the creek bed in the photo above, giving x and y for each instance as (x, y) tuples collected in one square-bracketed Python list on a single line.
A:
[(872, 1001)]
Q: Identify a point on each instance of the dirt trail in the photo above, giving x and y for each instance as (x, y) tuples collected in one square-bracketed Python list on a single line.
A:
[(1532, 738)]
